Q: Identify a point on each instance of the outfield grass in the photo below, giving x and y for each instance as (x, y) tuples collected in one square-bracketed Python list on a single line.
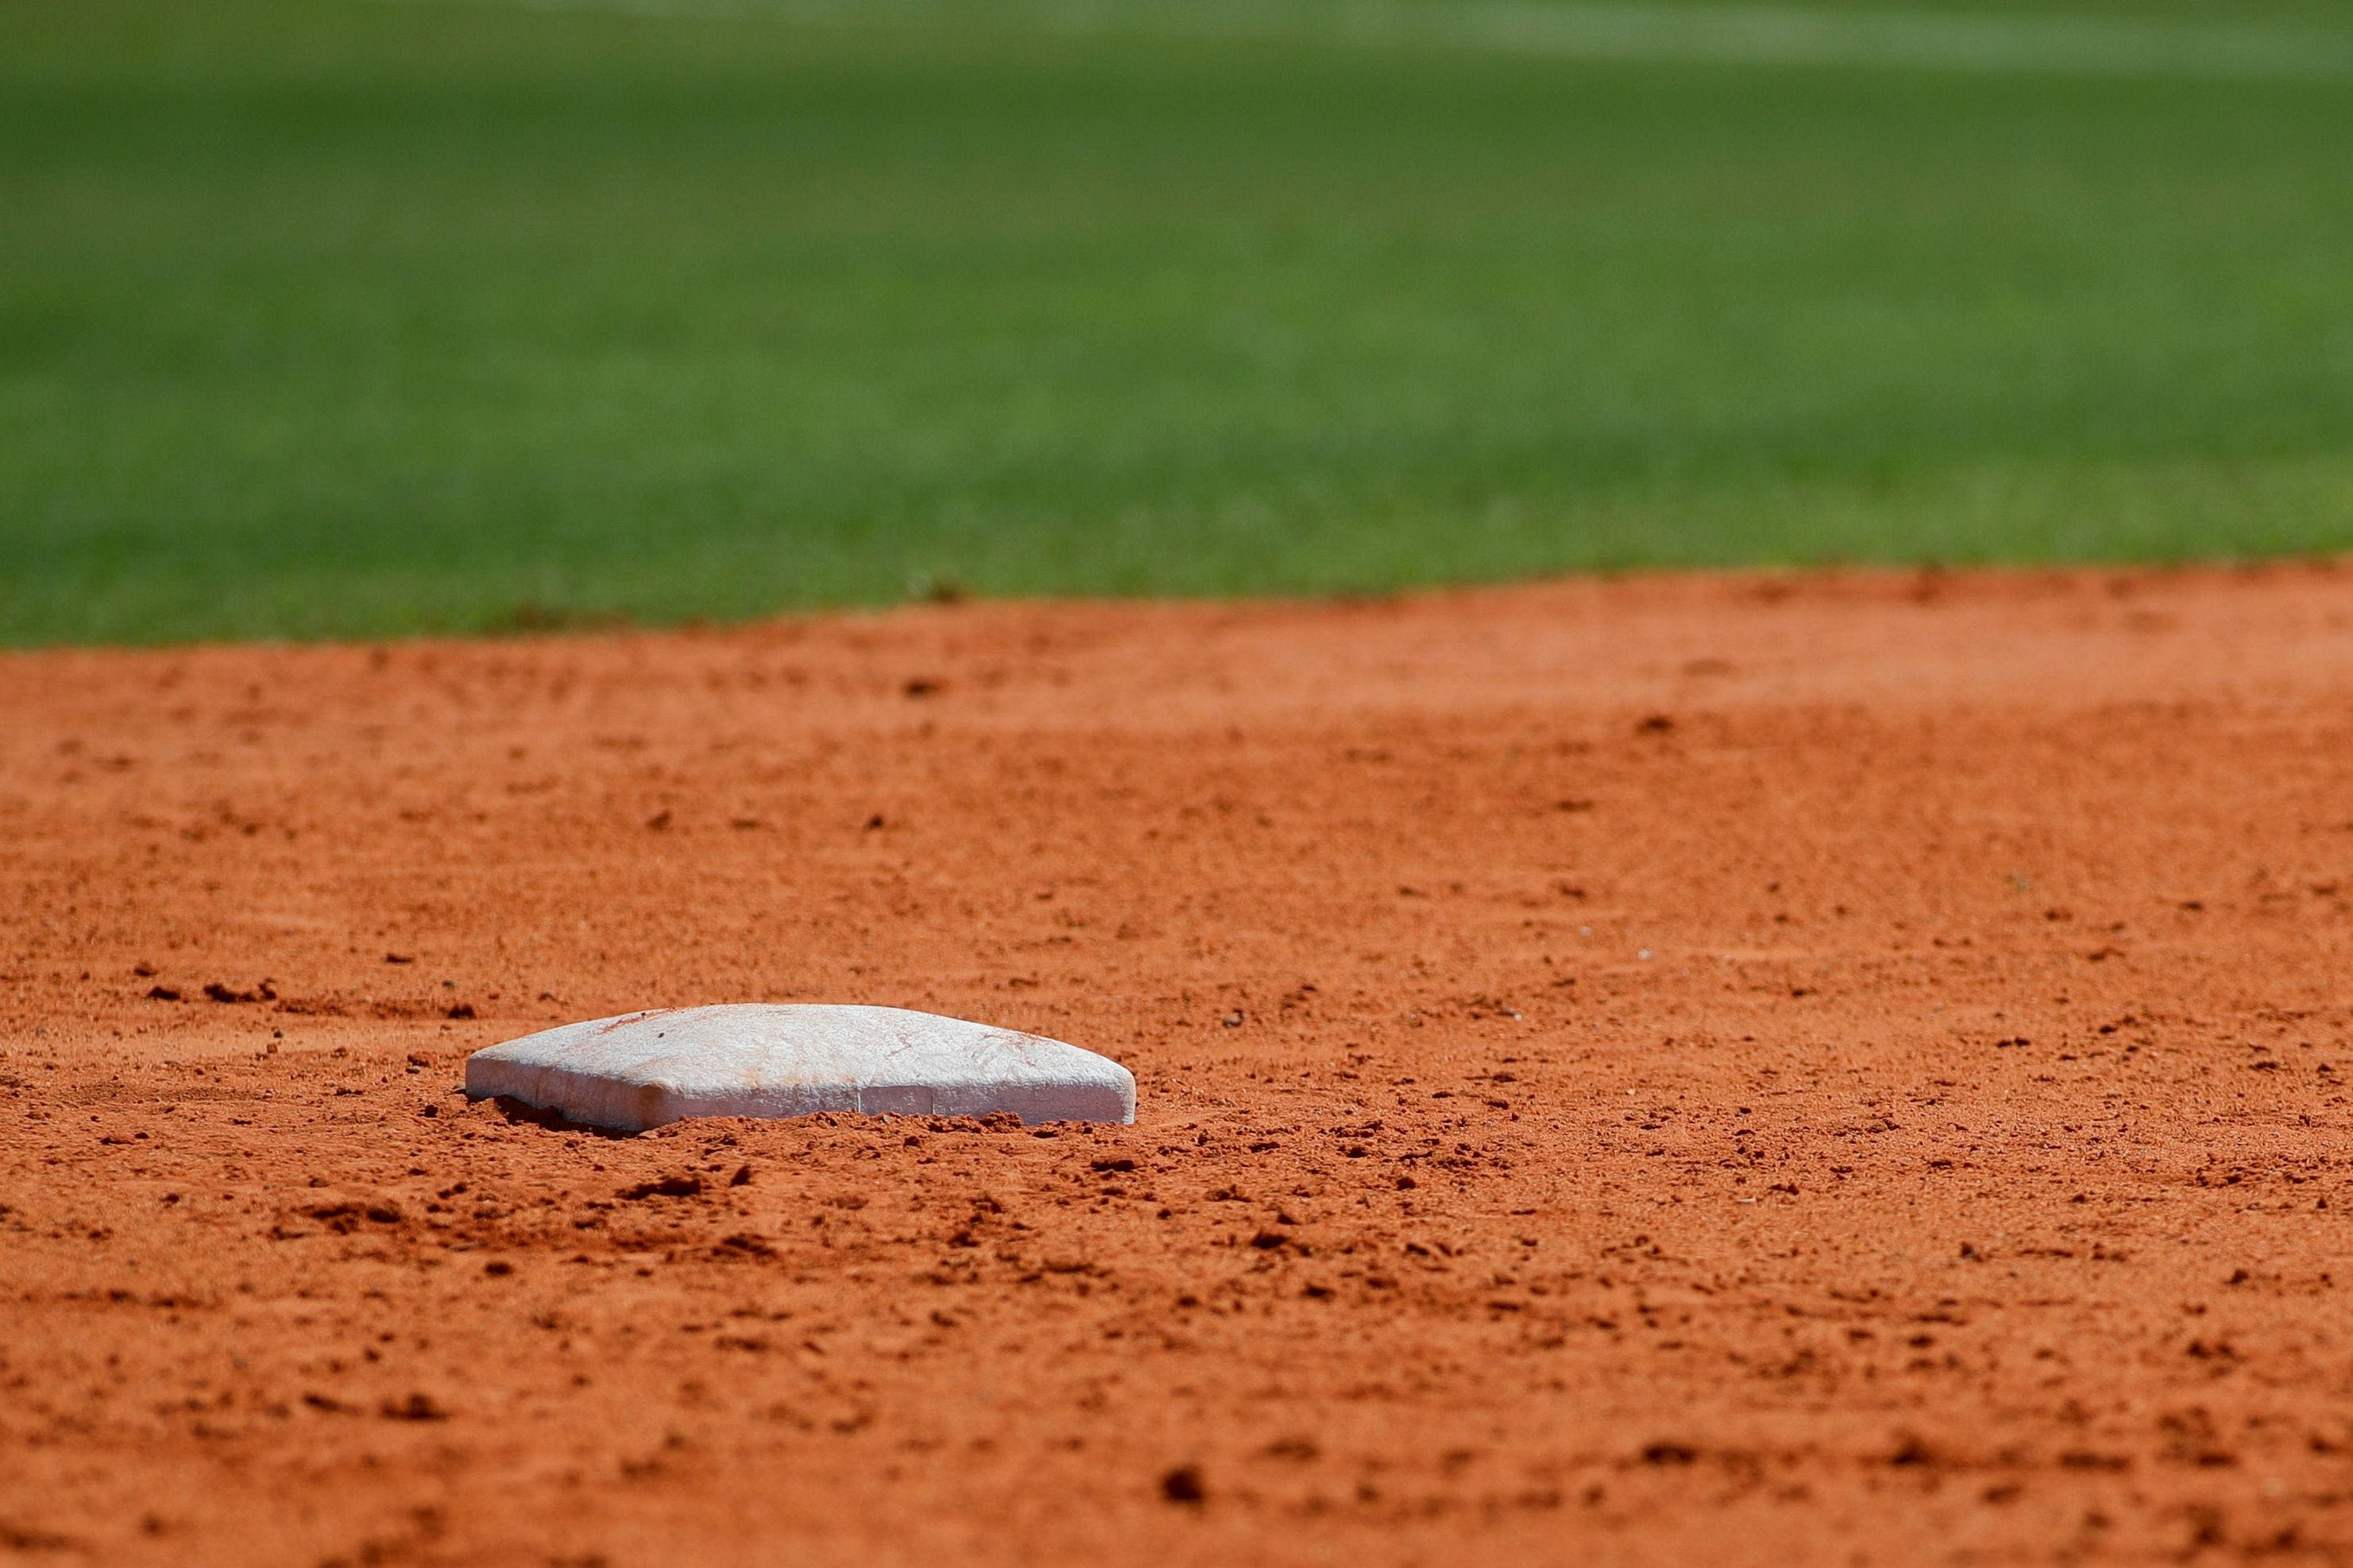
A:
[(350, 317)]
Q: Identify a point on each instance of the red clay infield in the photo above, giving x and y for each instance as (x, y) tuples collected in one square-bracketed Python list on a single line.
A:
[(1837, 1069)]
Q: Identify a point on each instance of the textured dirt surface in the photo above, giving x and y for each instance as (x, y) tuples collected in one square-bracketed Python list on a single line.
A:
[(1839, 1069)]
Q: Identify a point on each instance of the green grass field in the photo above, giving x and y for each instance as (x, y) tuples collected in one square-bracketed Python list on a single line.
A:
[(354, 316)]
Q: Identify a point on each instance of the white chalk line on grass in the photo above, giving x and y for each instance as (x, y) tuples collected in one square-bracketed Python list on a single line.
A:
[(1585, 30)]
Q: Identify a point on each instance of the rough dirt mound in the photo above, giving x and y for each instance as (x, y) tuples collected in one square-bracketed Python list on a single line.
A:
[(1841, 1069)]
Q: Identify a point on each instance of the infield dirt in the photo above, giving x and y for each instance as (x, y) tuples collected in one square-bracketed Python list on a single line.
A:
[(1840, 1069)]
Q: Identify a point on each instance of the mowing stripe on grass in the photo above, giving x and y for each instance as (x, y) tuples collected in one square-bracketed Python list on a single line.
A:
[(1769, 36)]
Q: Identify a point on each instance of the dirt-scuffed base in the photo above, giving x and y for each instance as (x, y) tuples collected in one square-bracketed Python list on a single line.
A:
[(1838, 1069)]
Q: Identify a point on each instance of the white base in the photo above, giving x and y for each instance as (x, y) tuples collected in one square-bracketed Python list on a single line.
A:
[(644, 1069)]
